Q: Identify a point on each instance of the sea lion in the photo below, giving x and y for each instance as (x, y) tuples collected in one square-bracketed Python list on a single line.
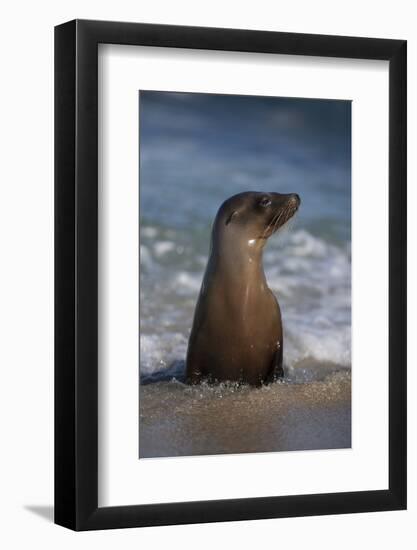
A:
[(237, 330)]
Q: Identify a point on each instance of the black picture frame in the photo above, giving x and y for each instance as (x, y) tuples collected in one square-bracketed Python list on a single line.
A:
[(76, 272)]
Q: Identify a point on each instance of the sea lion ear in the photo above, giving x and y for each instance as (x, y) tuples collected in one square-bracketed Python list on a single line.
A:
[(229, 219)]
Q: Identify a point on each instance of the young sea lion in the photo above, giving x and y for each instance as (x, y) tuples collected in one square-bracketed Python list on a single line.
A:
[(237, 329)]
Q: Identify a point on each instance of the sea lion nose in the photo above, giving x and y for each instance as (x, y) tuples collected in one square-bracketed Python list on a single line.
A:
[(295, 199)]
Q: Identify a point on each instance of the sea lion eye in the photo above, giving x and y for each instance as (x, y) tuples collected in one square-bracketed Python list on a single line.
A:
[(265, 202)]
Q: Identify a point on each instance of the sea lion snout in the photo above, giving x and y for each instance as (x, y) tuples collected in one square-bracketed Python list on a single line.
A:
[(283, 208), (295, 199), (280, 200)]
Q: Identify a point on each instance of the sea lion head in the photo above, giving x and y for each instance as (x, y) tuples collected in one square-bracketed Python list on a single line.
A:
[(252, 217)]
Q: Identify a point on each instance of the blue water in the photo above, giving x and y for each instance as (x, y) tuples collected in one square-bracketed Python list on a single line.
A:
[(196, 150)]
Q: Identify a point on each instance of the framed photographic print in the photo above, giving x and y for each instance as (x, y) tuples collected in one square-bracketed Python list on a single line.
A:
[(230, 337)]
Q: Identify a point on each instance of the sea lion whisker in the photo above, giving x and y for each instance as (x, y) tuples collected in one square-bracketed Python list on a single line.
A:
[(274, 219), (278, 220), (269, 225), (288, 216), (288, 226)]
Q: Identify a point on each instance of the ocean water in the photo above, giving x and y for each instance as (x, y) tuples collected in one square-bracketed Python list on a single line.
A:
[(196, 150)]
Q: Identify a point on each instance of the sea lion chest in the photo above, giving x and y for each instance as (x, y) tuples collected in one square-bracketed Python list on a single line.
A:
[(238, 330)]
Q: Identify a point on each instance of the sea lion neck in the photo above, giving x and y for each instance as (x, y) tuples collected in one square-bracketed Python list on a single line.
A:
[(238, 258)]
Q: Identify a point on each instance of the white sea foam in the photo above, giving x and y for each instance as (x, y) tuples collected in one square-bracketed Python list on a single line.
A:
[(162, 247), (188, 281), (145, 257), (149, 231), (158, 353)]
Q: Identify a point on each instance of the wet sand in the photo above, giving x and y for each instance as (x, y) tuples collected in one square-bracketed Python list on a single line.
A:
[(179, 420)]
